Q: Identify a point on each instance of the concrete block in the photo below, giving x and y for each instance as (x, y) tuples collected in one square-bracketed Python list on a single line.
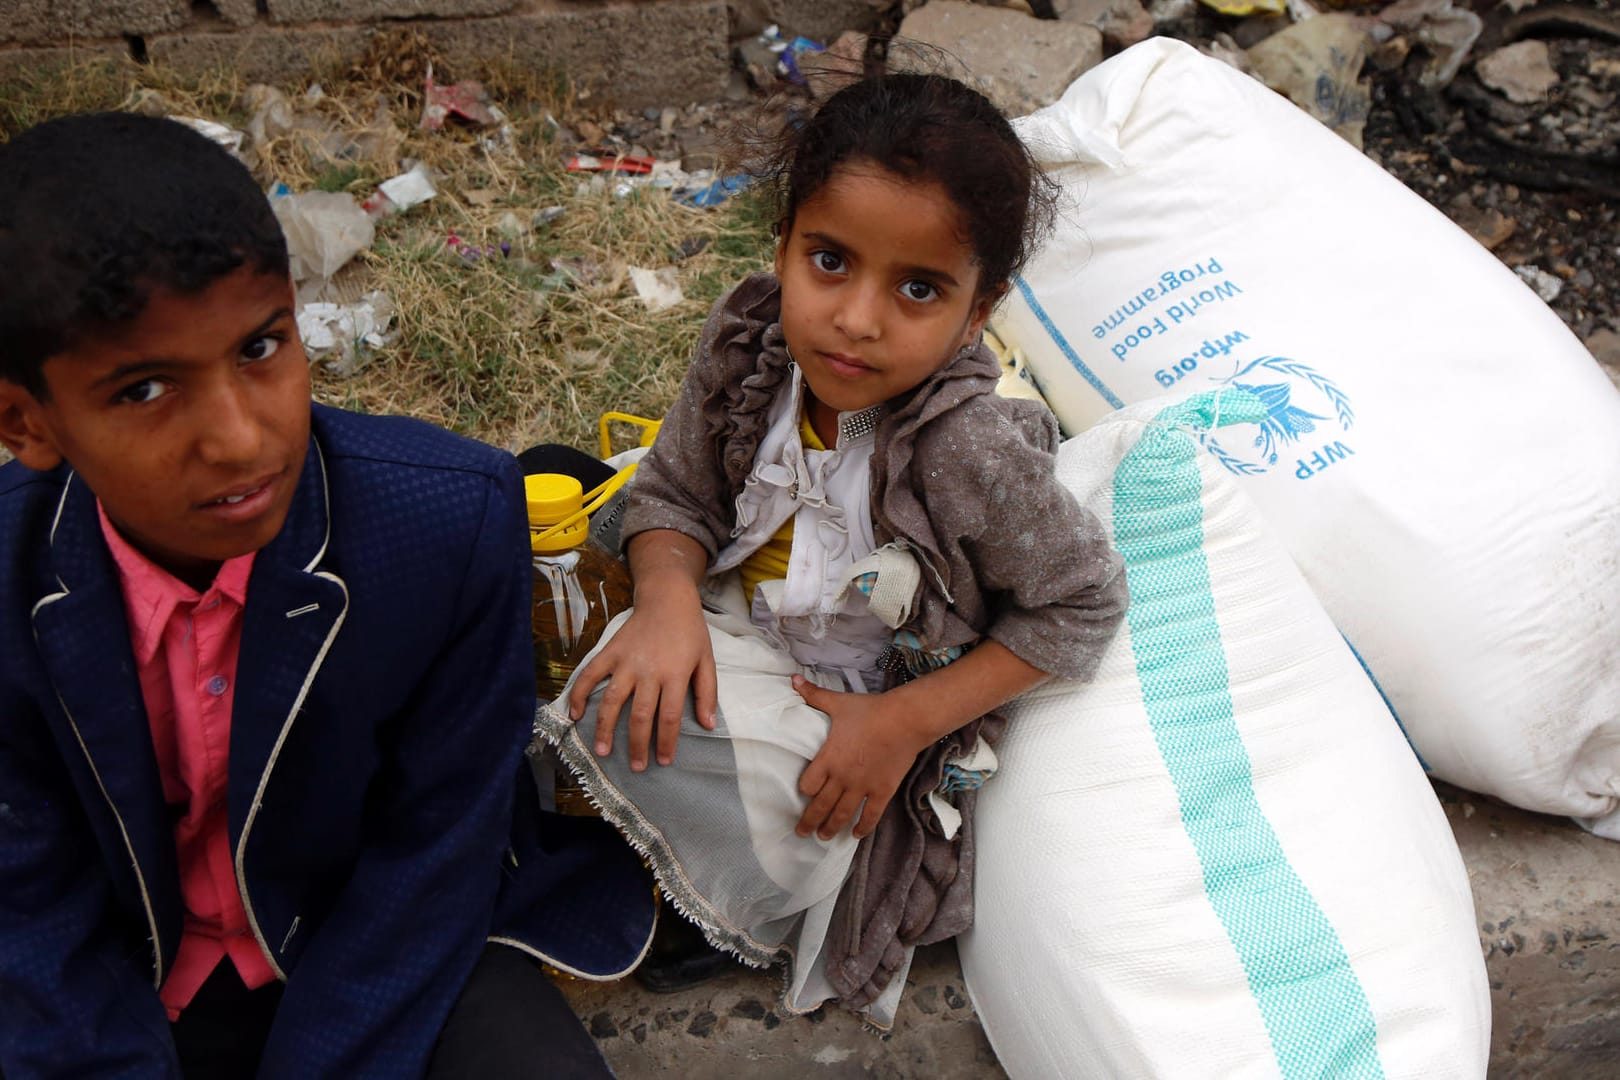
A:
[(261, 55), (1546, 894), (236, 12), (824, 20), (54, 22), (1021, 63), (627, 54), (26, 65), (1123, 22), (300, 11)]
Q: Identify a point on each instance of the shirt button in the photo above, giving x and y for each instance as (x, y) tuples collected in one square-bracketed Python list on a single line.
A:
[(217, 685)]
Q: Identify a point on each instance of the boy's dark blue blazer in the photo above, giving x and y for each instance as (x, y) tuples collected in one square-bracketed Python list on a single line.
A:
[(385, 692)]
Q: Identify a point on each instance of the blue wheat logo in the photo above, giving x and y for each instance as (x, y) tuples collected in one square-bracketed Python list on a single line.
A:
[(1288, 425)]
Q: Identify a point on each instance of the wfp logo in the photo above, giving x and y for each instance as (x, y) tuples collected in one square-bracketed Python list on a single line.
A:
[(1306, 412)]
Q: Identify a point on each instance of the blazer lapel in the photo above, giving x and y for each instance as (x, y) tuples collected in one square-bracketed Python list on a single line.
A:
[(84, 645), (294, 611)]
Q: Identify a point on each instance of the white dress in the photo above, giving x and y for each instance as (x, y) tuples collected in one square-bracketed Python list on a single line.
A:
[(718, 825)]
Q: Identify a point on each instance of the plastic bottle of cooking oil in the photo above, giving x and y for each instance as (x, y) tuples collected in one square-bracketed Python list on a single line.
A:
[(578, 588)]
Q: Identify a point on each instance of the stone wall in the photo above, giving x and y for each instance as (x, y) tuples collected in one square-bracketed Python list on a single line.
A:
[(632, 52)]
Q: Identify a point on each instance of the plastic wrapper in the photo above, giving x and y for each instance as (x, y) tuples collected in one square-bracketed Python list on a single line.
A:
[(324, 231)]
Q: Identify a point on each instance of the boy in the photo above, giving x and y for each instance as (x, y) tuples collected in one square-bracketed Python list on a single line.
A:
[(267, 677)]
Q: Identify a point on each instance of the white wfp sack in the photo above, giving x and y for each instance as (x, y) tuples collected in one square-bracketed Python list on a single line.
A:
[(1218, 858), (1440, 455)]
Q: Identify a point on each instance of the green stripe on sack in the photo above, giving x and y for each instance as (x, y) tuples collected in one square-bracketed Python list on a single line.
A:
[(1314, 1008)]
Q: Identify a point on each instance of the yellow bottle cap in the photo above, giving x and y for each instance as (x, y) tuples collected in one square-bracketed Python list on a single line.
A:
[(552, 497)]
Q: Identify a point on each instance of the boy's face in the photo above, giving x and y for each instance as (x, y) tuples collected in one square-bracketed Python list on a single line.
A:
[(190, 423)]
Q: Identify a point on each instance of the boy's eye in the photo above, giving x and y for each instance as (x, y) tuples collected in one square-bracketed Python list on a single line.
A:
[(920, 291), (143, 391), (261, 348), (828, 262)]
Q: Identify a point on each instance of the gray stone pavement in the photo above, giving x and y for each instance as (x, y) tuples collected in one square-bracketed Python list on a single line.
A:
[(1545, 894)]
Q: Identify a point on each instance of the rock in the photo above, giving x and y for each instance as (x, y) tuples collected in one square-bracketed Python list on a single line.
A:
[(1122, 22), (1547, 286), (702, 1024), (1018, 62), (835, 67), (1169, 11), (749, 1009), (1490, 227), (603, 1027), (1604, 345), (1521, 72)]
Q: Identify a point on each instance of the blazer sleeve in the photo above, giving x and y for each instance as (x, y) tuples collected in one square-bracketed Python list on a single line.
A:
[(378, 978), (73, 1000)]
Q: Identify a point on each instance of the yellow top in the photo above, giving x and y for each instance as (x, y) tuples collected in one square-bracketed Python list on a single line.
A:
[(553, 497), (770, 562)]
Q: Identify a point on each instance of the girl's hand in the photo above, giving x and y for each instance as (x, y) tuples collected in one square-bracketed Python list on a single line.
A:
[(867, 754), (876, 737), (662, 649)]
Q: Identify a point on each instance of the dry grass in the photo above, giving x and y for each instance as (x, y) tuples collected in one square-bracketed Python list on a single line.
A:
[(505, 349)]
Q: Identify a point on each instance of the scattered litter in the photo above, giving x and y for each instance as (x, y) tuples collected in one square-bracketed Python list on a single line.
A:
[(546, 215), (1246, 7), (1447, 32), (1521, 72), (1223, 48), (1317, 64), (796, 51), (272, 113), (577, 270), (690, 247), (324, 230), (609, 163), (511, 227), (658, 289), (340, 334), (470, 252), (402, 192), (714, 194), (1547, 286), (466, 100), (228, 137)]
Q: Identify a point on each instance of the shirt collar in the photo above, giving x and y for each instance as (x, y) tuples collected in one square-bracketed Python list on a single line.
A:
[(151, 593)]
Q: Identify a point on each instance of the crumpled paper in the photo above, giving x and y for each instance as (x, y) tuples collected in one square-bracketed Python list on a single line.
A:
[(660, 290), (341, 334)]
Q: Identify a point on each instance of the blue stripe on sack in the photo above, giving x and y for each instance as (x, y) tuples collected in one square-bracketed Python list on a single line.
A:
[(1314, 1008), (1376, 686), (1063, 344)]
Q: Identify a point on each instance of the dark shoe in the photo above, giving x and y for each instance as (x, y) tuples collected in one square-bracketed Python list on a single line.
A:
[(680, 957)]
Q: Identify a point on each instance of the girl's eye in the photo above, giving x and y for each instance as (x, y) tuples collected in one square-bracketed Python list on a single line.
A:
[(920, 291), (261, 348), (142, 392), (828, 262)]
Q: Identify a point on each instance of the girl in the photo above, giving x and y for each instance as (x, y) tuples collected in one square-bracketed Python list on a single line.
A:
[(851, 552)]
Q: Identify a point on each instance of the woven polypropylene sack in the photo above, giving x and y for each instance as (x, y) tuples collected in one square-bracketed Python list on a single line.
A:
[(1219, 857), (1439, 453)]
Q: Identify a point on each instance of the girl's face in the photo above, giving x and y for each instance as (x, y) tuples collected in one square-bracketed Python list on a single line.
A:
[(879, 290)]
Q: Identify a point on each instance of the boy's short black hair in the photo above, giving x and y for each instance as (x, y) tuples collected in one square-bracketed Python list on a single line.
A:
[(97, 211)]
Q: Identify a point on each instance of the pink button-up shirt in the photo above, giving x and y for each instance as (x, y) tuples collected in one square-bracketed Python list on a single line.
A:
[(186, 647)]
